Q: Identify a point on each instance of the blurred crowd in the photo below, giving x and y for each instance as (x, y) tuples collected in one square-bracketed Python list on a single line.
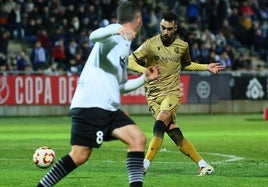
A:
[(55, 32)]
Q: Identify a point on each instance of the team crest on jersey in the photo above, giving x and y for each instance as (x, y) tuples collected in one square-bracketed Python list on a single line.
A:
[(123, 61), (156, 57), (176, 50)]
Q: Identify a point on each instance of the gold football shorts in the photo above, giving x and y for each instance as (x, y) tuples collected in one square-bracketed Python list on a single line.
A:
[(169, 103)]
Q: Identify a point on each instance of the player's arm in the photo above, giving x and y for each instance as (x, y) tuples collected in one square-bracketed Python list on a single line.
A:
[(136, 61), (135, 64), (187, 64), (103, 33), (133, 84), (212, 67), (151, 73), (192, 66)]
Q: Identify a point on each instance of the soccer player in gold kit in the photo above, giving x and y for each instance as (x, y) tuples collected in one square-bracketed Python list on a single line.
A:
[(164, 94)]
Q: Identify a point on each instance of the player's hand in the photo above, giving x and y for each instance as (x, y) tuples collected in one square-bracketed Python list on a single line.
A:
[(215, 67), (152, 72), (128, 34)]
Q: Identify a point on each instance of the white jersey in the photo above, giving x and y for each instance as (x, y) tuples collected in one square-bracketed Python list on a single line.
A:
[(104, 72)]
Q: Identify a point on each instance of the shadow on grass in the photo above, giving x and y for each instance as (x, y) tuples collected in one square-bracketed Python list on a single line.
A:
[(254, 119)]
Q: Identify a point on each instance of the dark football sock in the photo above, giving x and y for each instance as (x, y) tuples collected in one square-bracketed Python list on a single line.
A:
[(59, 170), (135, 168)]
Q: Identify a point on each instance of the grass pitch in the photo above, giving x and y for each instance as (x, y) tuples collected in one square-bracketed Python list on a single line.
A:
[(236, 145)]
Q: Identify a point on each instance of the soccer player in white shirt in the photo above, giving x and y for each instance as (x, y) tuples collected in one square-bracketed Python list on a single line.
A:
[(95, 108)]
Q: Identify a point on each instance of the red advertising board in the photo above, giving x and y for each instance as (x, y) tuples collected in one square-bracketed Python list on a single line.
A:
[(55, 90), (185, 82), (138, 96), (135, 97), (36, 89)]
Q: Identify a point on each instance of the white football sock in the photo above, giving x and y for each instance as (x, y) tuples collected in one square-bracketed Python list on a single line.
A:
[(146, 163), (202, 163)]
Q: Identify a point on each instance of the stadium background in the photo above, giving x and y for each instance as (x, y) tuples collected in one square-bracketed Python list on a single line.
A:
[(29, 95), (231, 32)]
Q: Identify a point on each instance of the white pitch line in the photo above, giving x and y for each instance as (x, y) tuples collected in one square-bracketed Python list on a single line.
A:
[(229, 158)]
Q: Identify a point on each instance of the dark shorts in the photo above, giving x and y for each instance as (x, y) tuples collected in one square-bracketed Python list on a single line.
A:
[(92, 126)]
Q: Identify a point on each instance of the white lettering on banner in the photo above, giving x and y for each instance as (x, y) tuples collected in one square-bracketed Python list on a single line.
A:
[(66, 89), (48, 91), (18, 85), (62, 90), (71, 88), (38, 88), (30, 90)]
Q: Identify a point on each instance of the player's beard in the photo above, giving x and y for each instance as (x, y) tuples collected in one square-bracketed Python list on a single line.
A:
[(167, 40)]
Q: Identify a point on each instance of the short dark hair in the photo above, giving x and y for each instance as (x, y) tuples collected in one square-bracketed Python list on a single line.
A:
[(126, 11), (169, 16)]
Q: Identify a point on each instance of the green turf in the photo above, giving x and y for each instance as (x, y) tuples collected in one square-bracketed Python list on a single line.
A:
[(236, 145)]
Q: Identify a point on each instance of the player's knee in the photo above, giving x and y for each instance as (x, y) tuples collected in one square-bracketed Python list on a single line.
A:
[(142, 140), (176, 135), (80, 157), (159, 128), (137, 143)]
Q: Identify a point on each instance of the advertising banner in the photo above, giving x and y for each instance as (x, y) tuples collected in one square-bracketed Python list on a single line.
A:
[(208, 88), (36, 89), (55, 90), (138, 96), (196, 88), (249, 87)]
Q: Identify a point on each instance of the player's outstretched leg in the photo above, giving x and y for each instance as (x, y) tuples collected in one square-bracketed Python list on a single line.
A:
[(135, 168), (59, 170), (155, 143), (189, 150)]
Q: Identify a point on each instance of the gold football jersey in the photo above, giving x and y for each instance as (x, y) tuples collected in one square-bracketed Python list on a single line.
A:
[(171, 60)]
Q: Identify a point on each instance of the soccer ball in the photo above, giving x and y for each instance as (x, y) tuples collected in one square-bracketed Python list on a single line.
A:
[(43, 157)]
